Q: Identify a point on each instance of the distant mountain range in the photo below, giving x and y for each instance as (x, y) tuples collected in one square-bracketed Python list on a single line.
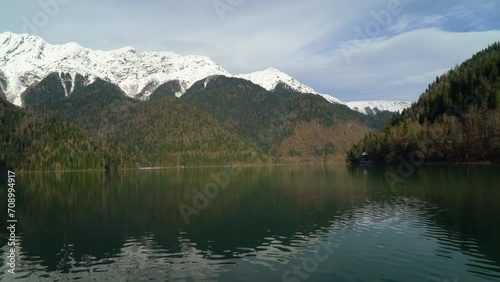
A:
[(27, 59), (83, 109), (374, 107)]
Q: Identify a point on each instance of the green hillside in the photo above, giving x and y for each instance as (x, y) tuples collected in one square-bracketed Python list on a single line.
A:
[(94, 107), (169, 132), (281, 122), (218, 121), (161, 132), (248, 109), (33, 143), (457, 119)]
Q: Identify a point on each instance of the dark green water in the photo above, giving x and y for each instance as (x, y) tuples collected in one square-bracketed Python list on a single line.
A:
[(307, 223)]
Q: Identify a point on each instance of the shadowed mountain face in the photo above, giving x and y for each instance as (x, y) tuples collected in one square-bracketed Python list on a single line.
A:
[(246, 108), (57, 86), (170, 132), (34, 143), (161, 132), (169, 89), (219, 120), (93, 107), (286, 124), (167, 131), (285, 91), (3, 85)]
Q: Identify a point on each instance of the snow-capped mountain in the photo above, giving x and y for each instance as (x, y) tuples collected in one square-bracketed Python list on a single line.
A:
[(27, 59), (373, 107), (270, 78), (332, 99)]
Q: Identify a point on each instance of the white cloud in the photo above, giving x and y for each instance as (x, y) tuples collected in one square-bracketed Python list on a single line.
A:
[(302, 38), (398, 67), (410, 22)]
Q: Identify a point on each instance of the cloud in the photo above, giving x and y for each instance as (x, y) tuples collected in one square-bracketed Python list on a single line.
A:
[(412, 22), (395, 68), (303, 38)]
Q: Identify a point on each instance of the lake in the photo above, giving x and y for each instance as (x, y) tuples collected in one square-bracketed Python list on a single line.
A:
[(284, 223)]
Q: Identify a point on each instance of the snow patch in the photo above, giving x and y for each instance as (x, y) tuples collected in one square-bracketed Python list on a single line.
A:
[(271, 77), (27, 59), (373, 107), (332, 99)]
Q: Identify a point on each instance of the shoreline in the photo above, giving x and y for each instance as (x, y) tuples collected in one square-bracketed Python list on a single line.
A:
[(177, 167), (478, 163)]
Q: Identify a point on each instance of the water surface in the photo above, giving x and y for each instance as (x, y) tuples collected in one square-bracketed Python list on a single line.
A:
[(297, 223)]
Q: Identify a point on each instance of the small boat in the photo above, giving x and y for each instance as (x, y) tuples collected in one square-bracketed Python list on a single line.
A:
[(365, 159)]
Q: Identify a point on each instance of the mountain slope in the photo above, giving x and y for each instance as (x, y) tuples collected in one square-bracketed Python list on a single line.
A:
[(172, 88), (457, 119), (332, 99), (246, 108), (160, 132), (93, 107), (156, 135), (28, 59), (33, 143), (271, 77), (278, 124), (170, 132), (274, 80), (3, 85)]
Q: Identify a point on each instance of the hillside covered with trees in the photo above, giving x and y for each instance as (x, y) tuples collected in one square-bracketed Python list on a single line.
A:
[(32, 143), (457, 119), (162, 132), (287, 125), (218, 121)]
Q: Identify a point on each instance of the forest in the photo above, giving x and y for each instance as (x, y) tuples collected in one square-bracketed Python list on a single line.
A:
[(230, 121), (221, 121), (456, 119)]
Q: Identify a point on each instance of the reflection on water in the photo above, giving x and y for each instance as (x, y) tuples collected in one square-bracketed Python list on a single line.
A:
[(314, 223)]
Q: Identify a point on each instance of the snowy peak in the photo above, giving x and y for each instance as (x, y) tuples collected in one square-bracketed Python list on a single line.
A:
[(271, 77), (374, 107), (26, 59), (332, 99)]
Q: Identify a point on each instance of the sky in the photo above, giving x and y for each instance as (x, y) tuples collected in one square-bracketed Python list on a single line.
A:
[(353, 50)]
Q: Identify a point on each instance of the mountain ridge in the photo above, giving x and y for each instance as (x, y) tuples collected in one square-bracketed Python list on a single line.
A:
[(374, 107), (28, 59)]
